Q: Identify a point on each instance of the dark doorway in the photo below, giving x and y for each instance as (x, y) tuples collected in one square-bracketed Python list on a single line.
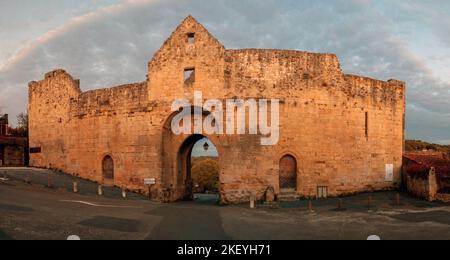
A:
[(288, 172), (108, 170)]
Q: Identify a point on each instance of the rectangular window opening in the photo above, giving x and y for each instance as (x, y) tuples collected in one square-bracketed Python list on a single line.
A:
[(191, 38), (367, 125), (35, 150), (189, 76)]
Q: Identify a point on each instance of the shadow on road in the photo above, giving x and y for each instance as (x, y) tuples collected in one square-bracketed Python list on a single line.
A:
[(4, 236), (199, 223)]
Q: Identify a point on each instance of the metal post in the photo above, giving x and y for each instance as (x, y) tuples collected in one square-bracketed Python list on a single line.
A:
[(75, 187)]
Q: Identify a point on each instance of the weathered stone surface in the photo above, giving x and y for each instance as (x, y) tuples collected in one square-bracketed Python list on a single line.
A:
[(270, 195), (323, 122)]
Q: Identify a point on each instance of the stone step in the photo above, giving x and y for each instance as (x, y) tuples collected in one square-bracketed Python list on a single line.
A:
[(293, 193), (286, 199), (288, 196)]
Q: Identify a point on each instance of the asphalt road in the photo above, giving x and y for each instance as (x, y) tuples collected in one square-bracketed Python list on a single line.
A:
[(38, 212)]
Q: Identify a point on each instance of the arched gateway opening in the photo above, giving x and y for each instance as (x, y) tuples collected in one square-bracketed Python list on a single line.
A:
[(198, 170), (190, 165)]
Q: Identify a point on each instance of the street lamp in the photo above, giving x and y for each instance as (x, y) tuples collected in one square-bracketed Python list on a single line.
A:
[(206, 146)]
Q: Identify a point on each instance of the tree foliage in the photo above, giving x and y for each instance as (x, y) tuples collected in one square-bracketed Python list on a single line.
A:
[(417, 145), (205, 174), (22, 126)]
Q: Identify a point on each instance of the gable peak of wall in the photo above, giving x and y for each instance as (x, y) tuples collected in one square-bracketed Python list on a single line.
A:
[(179, 35)]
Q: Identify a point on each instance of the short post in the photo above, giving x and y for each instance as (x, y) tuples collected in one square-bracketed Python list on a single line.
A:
[(150, 182), (398, 199), (100, 190), (124, 193), (310, 206), (27, 179), (252, 200), (75, 187), (50, 181)]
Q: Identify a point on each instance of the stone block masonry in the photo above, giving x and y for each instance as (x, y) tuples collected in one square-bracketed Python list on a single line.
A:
[(341, 132)]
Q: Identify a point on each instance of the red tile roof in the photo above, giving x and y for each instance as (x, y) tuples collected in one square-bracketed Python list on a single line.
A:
[(424, 161)]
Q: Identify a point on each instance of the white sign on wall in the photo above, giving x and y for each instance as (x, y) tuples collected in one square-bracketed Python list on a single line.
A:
[(150, 181), (389, 173)]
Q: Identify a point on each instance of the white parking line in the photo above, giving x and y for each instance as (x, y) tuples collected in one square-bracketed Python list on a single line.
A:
[(97, 205)]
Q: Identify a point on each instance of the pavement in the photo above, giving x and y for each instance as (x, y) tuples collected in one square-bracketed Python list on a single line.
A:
[(38, 212)]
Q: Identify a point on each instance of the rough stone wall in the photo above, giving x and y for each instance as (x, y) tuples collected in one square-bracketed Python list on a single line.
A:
[(49, 124), (425, 188), (323, 119), (13, 156)]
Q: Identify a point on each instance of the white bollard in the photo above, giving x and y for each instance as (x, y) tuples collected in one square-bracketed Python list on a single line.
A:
[(252, 200), (100, 190), (124, 194), (75, 187)]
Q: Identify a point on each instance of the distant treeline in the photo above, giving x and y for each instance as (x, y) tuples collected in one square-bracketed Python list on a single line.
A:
[(417, 145)]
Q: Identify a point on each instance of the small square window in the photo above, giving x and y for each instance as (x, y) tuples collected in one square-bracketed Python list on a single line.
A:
[(191, 38), (189, 76)]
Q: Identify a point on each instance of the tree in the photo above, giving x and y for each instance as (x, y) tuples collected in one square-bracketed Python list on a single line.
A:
[(22, 126), (205, 173), (22, 121)]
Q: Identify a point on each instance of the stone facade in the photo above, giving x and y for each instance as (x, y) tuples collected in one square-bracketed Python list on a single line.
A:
[(427, 175), (345, 132), (12, 148)]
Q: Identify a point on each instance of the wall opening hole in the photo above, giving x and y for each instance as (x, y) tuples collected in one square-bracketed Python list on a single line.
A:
[(191, 38), (189, 75)]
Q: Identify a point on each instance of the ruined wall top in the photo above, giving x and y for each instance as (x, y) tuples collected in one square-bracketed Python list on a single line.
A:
[(212, 59)]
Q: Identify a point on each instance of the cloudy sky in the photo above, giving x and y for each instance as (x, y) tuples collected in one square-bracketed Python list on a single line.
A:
[(109, 42)]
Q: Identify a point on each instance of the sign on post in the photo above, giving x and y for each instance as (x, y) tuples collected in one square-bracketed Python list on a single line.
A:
[(150, 181)]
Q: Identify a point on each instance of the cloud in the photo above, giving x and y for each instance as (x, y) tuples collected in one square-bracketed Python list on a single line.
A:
[(113, 45)]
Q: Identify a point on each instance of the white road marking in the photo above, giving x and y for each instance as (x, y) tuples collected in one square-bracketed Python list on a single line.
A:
[(73, 238), (374, 238), (97, 205)]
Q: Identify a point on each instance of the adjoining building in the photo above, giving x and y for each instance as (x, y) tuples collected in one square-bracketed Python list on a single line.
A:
[(339, 133), (427, 175), (13, 149)]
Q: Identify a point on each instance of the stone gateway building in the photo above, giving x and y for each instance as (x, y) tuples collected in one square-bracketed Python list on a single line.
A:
[(339, 133)]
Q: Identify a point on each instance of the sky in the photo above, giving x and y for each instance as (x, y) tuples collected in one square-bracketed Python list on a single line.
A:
[(199, 150), (109, 42)]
